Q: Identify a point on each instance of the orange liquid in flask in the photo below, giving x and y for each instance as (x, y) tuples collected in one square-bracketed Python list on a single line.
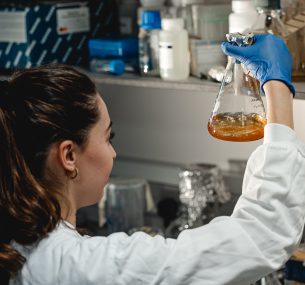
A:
[(237, 127)]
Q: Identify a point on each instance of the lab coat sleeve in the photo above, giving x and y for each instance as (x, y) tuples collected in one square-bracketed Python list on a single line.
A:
[(256, 239)]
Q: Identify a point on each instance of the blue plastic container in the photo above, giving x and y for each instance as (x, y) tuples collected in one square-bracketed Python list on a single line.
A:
[(151, 20), (118, 48)]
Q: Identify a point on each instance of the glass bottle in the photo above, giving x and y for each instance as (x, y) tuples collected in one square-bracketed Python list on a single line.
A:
[(149, 43), (270, 11), (239, 113), (271, 16)]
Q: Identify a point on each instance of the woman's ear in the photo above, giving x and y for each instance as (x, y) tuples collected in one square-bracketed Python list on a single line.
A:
[(67, 155)]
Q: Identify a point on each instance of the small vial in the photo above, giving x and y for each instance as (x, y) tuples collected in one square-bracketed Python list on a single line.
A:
[(114, 67)]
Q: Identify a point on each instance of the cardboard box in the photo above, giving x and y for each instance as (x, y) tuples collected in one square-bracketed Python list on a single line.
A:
[(52, 32)]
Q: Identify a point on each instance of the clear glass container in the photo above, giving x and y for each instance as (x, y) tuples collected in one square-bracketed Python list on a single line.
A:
[(125, 204), (238, 114), (149, 43), (271, 12), (273, 23)]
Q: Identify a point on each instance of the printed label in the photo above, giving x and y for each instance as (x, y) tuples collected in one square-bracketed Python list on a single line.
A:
[(13, 27), (166, 55), (73, 20)]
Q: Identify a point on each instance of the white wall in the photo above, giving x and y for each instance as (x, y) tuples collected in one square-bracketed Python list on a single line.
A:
[(170, 126)]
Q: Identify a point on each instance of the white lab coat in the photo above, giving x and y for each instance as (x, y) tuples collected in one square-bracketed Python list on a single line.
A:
[(258, 238)]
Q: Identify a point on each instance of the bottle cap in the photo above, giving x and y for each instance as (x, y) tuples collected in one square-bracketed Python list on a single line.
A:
[(175, 24), (151, 20), (241, 6), (116, 67), (269, 4)]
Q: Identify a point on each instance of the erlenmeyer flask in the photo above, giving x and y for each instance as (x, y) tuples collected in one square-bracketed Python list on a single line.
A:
[(239, 113)]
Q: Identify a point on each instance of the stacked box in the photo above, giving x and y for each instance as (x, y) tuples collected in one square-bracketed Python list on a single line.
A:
[(47, 32), (204, 56)]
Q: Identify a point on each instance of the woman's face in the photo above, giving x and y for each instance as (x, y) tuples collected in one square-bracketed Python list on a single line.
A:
[(95, 161)]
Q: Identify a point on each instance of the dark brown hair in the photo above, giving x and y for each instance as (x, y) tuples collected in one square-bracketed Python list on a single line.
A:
[(38, 107)]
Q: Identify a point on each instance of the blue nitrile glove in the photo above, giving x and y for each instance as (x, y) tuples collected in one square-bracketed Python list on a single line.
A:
[(267, 58)]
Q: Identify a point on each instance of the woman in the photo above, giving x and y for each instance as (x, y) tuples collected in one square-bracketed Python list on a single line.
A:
[(56, 156)]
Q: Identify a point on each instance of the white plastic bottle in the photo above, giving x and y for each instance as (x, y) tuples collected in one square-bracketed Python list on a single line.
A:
[(174, 50), (243, 17)]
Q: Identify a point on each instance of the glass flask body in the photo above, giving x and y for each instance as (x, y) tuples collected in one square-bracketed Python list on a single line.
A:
[(239, 113)]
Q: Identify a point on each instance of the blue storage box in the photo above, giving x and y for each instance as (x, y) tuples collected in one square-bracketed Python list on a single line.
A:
[(49, 32), (123, 48)]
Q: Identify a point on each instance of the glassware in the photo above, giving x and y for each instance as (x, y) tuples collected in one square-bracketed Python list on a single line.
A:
[(273, 22), (149, 43), (125, 204), (238, 114), (272, 14)]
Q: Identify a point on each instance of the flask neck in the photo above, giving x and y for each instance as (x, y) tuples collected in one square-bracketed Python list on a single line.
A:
[(231, 62)]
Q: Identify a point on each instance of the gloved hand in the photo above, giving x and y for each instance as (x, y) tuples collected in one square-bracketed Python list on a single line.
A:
[(267, 58)]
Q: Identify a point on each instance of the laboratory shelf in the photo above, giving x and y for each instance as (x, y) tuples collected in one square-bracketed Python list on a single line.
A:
[(132, 80), (191, 84)]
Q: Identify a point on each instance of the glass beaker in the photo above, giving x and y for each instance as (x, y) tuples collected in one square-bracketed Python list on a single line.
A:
[(238, 114), (125, 204)]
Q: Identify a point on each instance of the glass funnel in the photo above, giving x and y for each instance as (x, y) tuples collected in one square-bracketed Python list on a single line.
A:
[(238, 114)]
